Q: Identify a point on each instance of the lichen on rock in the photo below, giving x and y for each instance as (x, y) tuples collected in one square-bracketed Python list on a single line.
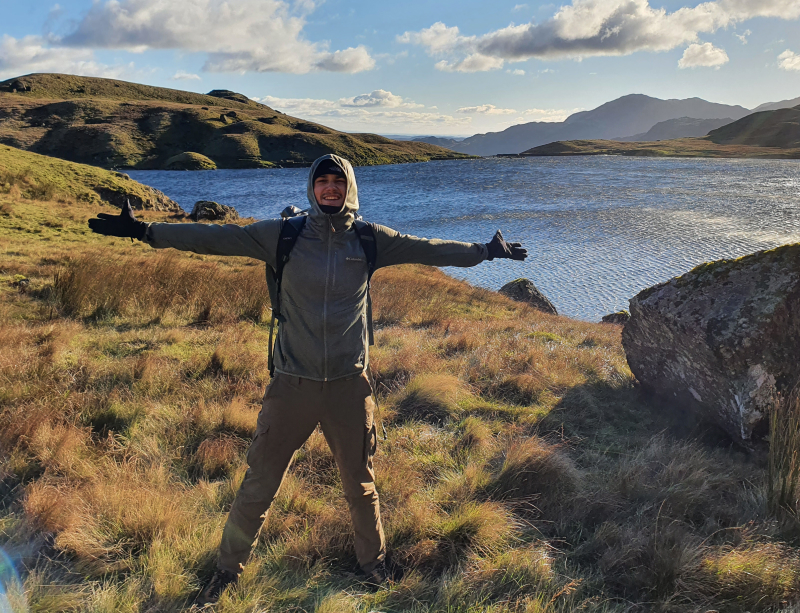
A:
[(620, 317), (723, 338)]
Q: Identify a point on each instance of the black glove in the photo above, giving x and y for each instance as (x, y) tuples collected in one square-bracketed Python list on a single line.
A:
[(498, 248), (123, 225)]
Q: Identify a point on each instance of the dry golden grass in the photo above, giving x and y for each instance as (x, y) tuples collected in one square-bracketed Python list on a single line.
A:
[(522, 469)]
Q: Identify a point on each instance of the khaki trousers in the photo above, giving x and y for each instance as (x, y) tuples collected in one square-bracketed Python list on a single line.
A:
[(292, 408)]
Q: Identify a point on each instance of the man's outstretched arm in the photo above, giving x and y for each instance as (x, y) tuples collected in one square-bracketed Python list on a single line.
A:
[(395, 248), (257, 240)]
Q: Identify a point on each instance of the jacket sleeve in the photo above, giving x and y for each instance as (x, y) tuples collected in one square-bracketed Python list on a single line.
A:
[(395, 248), (257, 240)]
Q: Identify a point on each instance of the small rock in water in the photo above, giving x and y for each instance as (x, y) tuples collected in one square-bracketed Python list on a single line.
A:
[(724, 338), (620, 317), (213, 211), (523, 290)]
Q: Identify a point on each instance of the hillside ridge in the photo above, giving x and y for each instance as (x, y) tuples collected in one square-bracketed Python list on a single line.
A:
[(116, 124)]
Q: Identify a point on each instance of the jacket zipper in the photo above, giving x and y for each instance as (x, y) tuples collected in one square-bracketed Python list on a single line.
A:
[(325, 308)]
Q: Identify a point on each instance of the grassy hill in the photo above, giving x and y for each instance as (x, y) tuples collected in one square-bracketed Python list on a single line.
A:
[(523, 470), (114, 124), (778, 128), (768, 134), (39, 177)]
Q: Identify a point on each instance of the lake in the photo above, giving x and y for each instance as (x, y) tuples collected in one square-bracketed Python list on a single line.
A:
[(598, 229)]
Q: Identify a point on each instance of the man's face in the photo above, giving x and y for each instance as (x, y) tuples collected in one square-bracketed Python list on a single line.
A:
[(330, 190)]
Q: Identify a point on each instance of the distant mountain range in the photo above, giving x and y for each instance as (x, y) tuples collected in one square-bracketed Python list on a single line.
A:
[(766, 134), (627, 118), (116, 124)]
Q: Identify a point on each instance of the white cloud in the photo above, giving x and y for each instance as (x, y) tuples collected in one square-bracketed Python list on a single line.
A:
[(519, 7), (247, 35), (705, 54), (33, 54), (348, 114), (743, 36), (476, 62), (789, 60), (486, 109), (587, 28), (378, 97), (517, 72), (185, 76), (549, 114)]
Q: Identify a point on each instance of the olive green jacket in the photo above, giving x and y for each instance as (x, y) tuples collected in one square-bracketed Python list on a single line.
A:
[(324, 286)]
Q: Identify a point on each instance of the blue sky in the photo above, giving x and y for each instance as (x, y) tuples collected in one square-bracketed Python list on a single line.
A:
[(420, 67)]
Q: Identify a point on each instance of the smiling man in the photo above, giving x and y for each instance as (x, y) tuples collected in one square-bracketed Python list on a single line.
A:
[(322, 348)]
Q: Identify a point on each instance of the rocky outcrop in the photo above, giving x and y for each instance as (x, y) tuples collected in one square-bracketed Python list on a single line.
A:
[(620, 317), (523, 290), (188, 160), (213, 211), (724, 337), (152, 199)]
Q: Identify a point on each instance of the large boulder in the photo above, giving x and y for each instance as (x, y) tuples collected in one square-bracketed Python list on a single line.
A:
[(620, 317), (213, 211), (523, 290), (724, 337)]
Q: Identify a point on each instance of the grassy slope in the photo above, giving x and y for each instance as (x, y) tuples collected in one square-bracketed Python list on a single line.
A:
[(115, 124), (679, 147), (41, 177), (523, 471)]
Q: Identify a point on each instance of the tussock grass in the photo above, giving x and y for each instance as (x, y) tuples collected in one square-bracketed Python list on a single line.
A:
[(784, 457), (522, 469)]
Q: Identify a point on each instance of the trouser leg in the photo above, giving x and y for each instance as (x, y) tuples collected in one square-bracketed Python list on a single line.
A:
[(348, 426), (288, 417)]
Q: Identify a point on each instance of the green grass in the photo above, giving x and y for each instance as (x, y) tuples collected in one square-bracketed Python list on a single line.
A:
[(679, 147), (30, 176)]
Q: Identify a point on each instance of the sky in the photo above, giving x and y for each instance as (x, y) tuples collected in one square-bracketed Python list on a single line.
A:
[(449, 67)]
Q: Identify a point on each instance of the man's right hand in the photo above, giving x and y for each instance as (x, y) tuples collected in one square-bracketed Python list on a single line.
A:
[(123, 225)]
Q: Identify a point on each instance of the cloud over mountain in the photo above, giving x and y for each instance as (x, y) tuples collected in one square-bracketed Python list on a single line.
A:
[(34, 54), (704, 54), (379, 109), (592, 28), (789, 60)]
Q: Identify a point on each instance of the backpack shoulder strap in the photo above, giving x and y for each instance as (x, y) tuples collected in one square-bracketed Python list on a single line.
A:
[(366, 236), (290, 231)]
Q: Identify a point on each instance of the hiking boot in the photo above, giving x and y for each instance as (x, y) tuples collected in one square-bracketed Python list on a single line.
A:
[(215, 587), (385, 573)]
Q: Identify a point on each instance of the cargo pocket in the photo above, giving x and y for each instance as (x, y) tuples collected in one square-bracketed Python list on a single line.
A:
[(370, 443)]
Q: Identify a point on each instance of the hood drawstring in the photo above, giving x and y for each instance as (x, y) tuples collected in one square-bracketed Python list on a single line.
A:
[(330, 221)]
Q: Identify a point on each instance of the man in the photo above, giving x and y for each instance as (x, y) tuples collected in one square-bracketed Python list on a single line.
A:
[(321, 352)]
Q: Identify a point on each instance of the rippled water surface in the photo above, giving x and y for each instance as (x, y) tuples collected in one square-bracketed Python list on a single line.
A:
[(598, 229)]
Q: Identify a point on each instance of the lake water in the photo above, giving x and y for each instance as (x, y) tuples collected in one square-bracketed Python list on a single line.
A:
[(598, 229)]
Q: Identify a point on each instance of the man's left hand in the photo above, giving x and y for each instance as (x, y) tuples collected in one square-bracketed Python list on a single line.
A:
[(499, 248)]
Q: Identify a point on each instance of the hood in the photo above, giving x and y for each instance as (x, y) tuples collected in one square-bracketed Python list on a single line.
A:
[(344, 218)]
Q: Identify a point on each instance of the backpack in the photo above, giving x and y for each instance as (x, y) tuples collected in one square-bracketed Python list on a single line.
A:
[(291, 227)]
